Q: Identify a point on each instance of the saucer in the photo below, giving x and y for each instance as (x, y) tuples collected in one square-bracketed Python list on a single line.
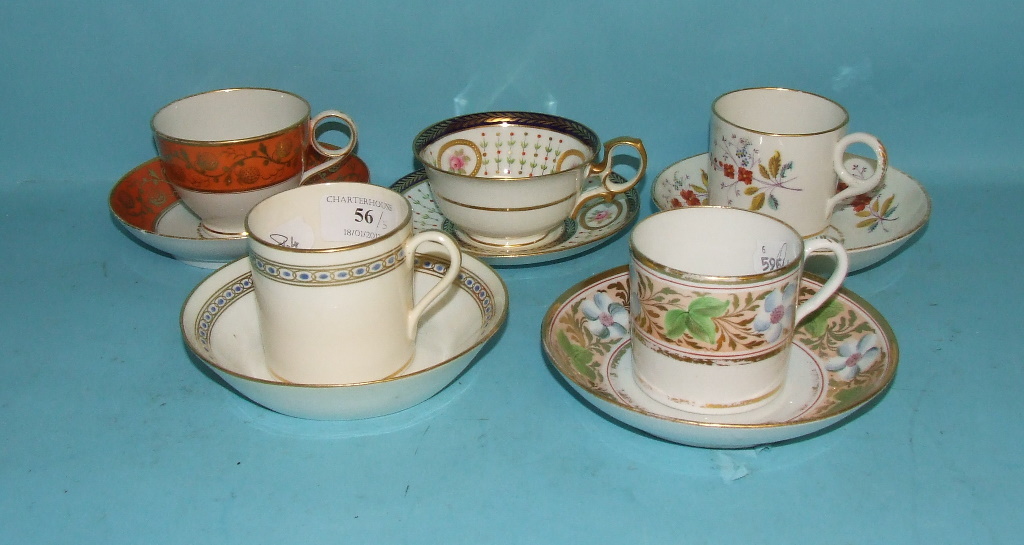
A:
[(150, 210), (843, 356), (871, 226), (595, 224), (219, 325)]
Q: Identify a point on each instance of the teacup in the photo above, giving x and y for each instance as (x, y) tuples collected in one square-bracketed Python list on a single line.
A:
[(781, 152), (713, 305), (513, 178), (333, 278), (225, 151)]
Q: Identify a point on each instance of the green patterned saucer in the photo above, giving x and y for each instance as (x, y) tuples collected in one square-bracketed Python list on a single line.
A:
[(843, 356)]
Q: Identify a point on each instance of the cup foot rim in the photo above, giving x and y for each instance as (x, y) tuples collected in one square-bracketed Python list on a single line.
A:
[(205, 231), (510, 243)]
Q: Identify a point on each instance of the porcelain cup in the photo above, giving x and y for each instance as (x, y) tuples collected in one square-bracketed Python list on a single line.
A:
[(513, 178), (333, 276), (780, 152), (714, 303), (224, 151)]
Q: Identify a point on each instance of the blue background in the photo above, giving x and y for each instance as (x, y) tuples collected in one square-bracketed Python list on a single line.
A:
[(109, 433)]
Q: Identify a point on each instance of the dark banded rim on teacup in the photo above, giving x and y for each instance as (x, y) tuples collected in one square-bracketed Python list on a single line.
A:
[(535, 120)]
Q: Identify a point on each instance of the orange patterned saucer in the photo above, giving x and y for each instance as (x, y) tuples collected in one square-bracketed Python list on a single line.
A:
[(149, 209)]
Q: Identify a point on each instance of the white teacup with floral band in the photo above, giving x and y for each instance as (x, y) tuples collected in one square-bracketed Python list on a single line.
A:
[(512, 178), (781, 152), (332, 274), (713, 305)]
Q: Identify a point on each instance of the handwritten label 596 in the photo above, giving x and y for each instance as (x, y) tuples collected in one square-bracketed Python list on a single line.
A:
[(771, 256)]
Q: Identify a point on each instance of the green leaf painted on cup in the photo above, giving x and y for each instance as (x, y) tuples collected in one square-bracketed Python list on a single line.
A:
[(696, 319), (702, 328), (708, 306), (676, 321)]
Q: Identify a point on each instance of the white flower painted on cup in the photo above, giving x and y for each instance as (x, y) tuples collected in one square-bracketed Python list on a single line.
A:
[(854, 357), (605, 317), (777, 313)]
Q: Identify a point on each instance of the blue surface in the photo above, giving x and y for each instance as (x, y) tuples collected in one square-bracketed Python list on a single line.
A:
[(109, 433)]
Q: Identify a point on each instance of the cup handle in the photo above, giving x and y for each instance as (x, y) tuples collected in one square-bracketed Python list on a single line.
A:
[(603, 170), (336, 155), (449, 278), (855, 185), (835, 280)]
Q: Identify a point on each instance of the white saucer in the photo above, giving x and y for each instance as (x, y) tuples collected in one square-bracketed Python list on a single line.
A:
[(150, 210), (596, 224), (218, 323), (813, 398), (871, 227)]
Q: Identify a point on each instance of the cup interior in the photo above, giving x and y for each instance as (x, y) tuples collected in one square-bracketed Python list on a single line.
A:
[(506, 145), (327, 216), (230, 115), (716, 242), (780, 111)]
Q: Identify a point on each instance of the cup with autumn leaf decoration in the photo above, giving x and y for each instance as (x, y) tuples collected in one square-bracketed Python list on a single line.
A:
[(512, 179), (225, 151), (781, 152), (713, 305)]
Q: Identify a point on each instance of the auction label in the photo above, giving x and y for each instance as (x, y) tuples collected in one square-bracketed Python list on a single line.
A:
[(347, 218)]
